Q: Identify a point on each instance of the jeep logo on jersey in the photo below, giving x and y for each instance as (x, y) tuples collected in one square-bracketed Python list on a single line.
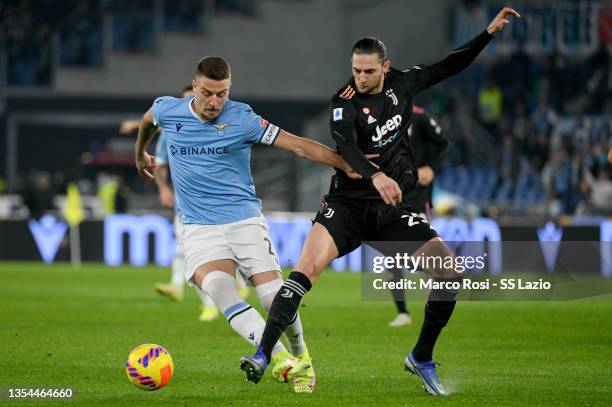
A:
[(390, 125)]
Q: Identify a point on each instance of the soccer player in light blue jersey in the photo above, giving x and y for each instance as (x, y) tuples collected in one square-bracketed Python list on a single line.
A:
[(209, 140), (174, 289)]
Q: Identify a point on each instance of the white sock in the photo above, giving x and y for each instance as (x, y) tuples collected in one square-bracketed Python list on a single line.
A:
[(178, 270), (206, 300), (294, 333), (243, 318)]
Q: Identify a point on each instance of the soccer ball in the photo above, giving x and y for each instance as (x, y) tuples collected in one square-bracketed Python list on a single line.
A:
[(149, 367)]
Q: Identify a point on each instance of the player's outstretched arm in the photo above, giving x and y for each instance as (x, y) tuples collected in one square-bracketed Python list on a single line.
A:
[(144, 161), (313, 151), (128, 126), (462, 57)]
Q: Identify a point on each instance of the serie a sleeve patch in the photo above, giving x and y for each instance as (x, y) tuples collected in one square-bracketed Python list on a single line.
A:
[(337, 114)]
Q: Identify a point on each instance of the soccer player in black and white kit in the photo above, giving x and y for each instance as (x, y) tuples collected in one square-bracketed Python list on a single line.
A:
[(430, 147), (374, 121)]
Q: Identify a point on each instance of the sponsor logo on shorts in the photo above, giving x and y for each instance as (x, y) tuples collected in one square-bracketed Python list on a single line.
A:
[(413, 219)]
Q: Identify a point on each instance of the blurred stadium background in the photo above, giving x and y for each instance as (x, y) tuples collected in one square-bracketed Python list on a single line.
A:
[(530, 121), (530, 124)]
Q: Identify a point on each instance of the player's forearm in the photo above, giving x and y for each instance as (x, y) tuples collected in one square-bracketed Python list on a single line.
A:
[(355, 157), (146, 131), (319, 153), (459, 59)]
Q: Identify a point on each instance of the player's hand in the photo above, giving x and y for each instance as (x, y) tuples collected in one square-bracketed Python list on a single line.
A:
[(388, 189), (128, 126), (426, 175), (610, 156), (352, 174), (501, 20), (145, 164), (166, 197)]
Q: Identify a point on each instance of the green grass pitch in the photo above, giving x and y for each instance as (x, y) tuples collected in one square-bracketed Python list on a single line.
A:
[(74, 328)]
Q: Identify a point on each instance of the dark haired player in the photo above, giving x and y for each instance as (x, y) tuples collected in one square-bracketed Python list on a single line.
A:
[(374, 121)]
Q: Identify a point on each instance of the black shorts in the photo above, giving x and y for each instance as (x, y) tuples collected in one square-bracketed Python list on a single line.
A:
[(351, 222)]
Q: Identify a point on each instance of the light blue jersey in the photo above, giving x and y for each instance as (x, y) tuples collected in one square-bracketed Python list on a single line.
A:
[(161, 150), (210, 160)]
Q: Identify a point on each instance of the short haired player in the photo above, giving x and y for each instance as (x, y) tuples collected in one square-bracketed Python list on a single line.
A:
[(209, 140)]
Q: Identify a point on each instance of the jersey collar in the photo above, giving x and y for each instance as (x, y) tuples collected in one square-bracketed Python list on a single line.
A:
[(193, 112)]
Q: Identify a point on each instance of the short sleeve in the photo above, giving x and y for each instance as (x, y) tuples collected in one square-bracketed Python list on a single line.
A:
[(258, 129), (416, 78), (161, 149), (157, 109)]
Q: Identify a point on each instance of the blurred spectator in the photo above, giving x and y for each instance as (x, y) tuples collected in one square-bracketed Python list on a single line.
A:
[(183, 15), (133, 28), (28, 45), (39, 195), (244, 7), (508, 159), (113, 193), (543, 117), (490, 99), (599, 192), (81, 35)]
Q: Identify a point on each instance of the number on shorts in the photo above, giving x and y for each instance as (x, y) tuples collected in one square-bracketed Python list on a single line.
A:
[(413, 219), (269, 245)]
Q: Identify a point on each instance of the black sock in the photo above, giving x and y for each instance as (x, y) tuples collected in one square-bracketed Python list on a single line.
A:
[(438, 310), (435, 313), (283, 310), (401, 307), (398, 294)]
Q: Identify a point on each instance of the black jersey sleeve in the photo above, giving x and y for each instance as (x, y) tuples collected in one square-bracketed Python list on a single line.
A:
[(342, 124), (439, 143), (423, 76)]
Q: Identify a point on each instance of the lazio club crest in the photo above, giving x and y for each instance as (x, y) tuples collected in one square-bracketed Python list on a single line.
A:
[(220, 129)]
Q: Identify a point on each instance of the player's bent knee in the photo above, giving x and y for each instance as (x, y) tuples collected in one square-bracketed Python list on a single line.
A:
[(203, 270), (439, 260), (310, 269), (265, 277)]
